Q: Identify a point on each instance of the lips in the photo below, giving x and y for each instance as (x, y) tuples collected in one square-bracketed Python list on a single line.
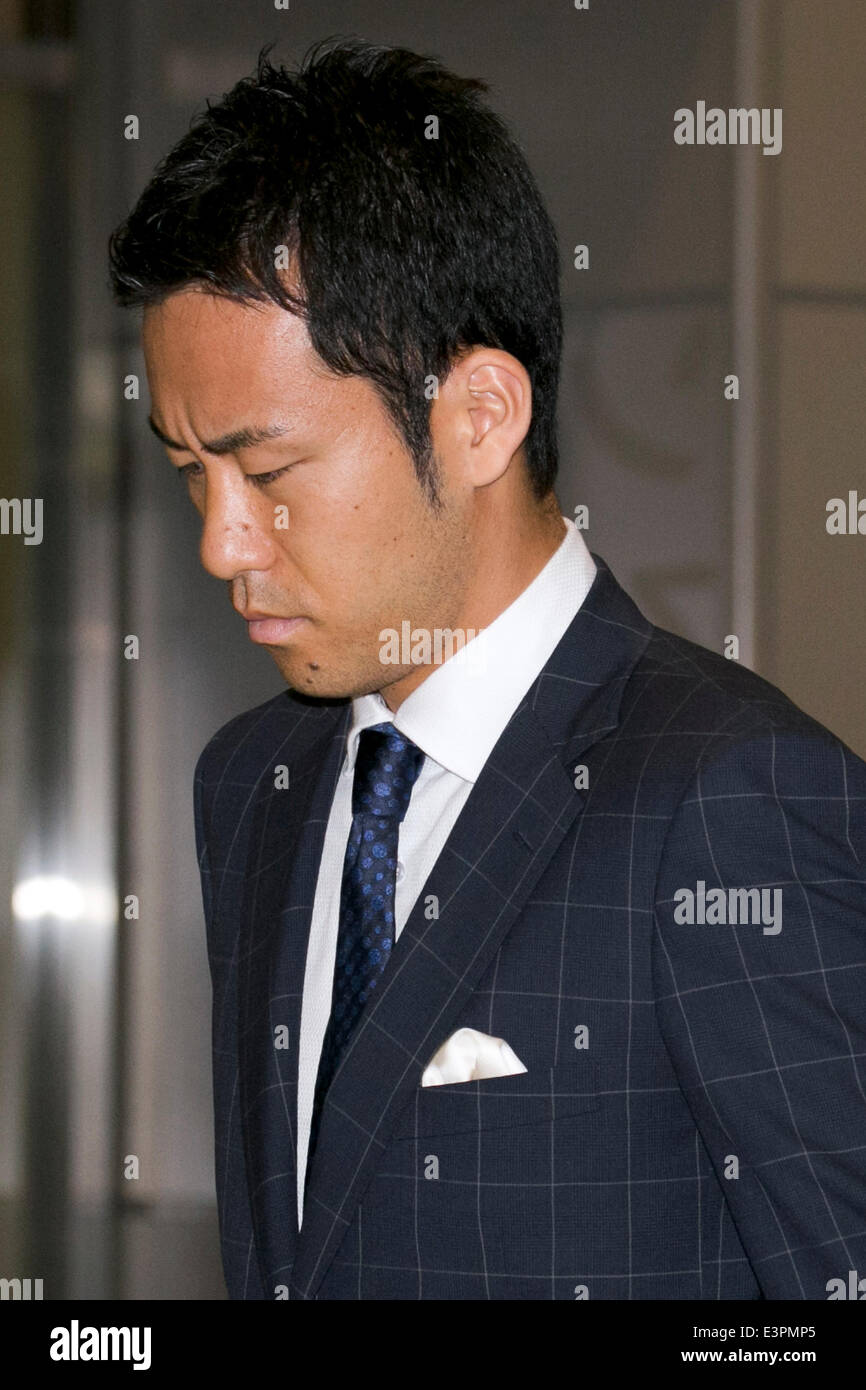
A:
[(270, 630)]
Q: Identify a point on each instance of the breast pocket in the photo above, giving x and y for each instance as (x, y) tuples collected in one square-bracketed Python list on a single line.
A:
[(536, 1097)]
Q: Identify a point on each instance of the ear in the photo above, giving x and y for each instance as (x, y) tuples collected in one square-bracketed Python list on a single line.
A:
[(482, 414)]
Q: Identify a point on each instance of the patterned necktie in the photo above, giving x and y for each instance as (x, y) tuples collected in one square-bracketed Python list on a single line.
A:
[(385, 773)]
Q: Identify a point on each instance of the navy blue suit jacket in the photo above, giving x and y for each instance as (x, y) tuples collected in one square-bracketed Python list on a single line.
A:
[(692, 1120)]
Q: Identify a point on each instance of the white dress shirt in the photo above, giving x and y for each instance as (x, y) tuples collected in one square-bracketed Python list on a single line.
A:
[(455, 717)]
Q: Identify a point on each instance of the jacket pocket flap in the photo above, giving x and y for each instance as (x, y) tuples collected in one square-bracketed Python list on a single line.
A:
[(540, 1096)]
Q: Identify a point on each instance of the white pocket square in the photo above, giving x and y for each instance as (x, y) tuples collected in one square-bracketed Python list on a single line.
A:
[(470, 1056)]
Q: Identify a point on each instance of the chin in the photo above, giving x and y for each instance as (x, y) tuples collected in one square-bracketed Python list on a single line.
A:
[(323, 683)]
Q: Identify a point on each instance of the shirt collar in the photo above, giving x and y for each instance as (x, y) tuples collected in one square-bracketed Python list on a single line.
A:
[(457, 714)]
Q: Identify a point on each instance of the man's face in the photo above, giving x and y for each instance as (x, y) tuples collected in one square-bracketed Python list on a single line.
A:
[(325, 525)]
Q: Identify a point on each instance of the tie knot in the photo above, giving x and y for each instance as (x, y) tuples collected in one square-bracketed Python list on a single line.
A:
[(386, 769)]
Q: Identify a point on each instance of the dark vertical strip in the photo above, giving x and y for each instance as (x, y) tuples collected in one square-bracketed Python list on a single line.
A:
[(48, 745), (123, 509), (118, 61)]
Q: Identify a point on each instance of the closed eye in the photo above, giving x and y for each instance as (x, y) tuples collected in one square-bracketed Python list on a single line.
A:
[(257, 479), (263, 479), (184, 470)]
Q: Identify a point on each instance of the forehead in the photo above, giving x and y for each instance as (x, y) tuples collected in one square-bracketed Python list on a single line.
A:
[(205, 349)]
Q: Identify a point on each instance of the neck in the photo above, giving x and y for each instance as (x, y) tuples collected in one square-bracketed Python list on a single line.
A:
[(506, 562)]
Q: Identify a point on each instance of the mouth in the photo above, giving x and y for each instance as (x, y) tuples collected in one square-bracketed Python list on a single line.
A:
[(270, 631)]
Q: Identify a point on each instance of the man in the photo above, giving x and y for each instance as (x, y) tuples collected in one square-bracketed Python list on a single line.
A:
[(537, 963)]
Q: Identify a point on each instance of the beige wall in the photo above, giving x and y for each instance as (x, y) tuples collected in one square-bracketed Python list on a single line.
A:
[(812, 627)]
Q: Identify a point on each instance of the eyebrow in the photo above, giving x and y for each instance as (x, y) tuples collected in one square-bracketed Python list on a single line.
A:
[(226, 443)]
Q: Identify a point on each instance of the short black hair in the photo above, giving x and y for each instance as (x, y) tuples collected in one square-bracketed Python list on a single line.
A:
[(411, 243)]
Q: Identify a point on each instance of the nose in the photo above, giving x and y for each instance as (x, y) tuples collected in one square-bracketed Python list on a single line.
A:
[(235, 536)]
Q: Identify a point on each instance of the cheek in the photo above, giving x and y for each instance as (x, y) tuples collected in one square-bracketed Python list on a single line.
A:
[(340, 529), (357, 528)]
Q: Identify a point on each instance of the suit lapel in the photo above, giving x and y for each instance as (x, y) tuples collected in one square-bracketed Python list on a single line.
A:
[(520, 809), (285, 849)]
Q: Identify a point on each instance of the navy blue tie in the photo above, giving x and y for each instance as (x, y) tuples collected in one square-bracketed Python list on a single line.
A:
[(386, 769)]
